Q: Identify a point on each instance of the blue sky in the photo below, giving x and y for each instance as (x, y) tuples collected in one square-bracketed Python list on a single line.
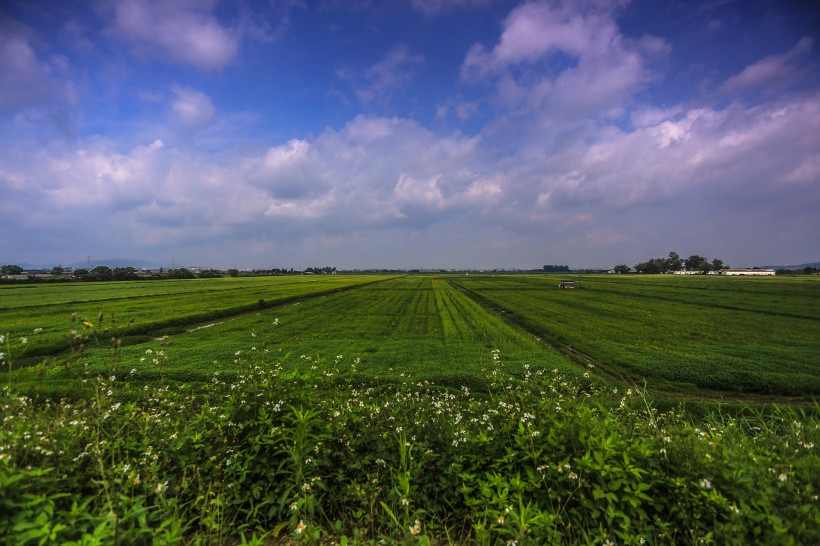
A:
[(409, 133)]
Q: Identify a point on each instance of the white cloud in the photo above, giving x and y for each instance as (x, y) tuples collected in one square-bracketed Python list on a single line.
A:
[(566, 57), (184, 31), (33, 88), (193, 110), (286, 173), (25, 78), (385, 77), (678, 172), (774, 71), (422, 193)]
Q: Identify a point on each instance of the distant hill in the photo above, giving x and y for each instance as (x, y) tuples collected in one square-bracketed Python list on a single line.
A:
[(796, 266)]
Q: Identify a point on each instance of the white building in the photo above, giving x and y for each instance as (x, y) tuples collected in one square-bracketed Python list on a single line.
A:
[(738, 272)]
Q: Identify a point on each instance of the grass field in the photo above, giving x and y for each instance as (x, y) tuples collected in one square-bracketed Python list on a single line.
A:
[(407, 410), (679, 333), (147, 306), (406, 327)]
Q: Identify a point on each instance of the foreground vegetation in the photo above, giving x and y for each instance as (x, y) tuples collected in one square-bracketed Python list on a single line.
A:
[(305, 449)]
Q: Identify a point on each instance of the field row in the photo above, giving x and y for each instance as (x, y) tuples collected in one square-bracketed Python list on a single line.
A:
[(677, 334), (798, 297), (687, 335), (407, 327), (144, 305)]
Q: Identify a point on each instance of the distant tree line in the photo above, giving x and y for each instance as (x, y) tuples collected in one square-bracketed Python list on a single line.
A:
[(10, 270), (808, 270), (103, 273), (674, 262), (555, 269)]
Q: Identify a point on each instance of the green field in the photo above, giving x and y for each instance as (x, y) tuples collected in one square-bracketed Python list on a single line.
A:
[(407, 327), (688, 335), (678, 333), (148, 306), (410, 410)]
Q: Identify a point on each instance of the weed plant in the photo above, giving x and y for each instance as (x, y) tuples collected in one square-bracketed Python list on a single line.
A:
[(301, 450)]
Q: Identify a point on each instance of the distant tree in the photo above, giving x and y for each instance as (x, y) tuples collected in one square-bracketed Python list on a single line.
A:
[(101, 273), (81, 273), (674, 262), (124, 274), (717, 264), (209, 274), (233, 272), (808, 270), (653, 266), (556, 269), (622, 268), (57, 270), (695, 263), (181, 273), (11, 270)]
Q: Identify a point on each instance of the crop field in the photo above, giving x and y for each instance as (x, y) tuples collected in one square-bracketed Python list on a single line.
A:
[(727, 334), (406, 327), (144, 306), (369, 410), (680, 334)]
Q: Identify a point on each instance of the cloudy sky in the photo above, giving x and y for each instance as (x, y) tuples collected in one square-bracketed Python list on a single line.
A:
[(409, 133)]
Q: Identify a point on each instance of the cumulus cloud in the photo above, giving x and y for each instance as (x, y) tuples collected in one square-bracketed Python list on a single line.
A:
[(385, 77), (379, 175), (33, 88), (25, 78), (184, 31), (192, 109), (722, 154), (774, 71), (286, 172), (569, 57)]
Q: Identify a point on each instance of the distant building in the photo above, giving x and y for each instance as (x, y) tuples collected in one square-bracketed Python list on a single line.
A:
[(740, 272), (566, 284)]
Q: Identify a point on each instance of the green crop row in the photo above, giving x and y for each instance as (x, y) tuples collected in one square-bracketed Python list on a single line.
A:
[(796, 297), (140, 307), (672, 331), (402, 328)]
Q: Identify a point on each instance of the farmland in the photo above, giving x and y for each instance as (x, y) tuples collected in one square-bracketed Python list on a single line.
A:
[(746, 335), (138, 307), (681, 335), (412, 409), (410, 327)]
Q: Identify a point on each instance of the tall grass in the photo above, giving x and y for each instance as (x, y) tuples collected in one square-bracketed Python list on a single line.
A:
[(308, 450)]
